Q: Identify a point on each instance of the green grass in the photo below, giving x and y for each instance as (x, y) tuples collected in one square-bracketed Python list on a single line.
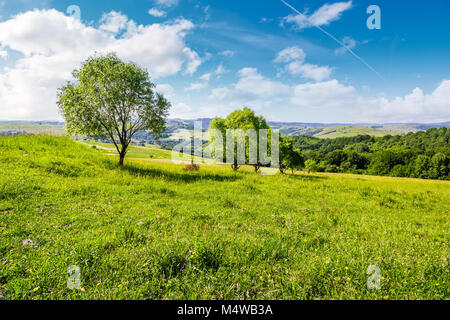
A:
[(134, 152), (337, 132), (32, 127), (152, 231)]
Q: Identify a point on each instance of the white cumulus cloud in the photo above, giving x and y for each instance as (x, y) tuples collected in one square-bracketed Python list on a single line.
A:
[(113, 22), (323, 95), (414, 107), (290, 54), (295, 58), (253, 83), (309, 71), (259, 92), (53, 44), (182, 111)]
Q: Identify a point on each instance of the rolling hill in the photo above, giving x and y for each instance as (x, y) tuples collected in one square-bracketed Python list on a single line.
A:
[(150, 230), (177, 128)]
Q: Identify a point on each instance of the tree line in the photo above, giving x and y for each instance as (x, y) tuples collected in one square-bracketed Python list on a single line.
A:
[(424, 154)]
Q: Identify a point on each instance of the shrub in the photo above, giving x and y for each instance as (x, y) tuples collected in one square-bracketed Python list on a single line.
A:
[(191, 167), (332, 168)]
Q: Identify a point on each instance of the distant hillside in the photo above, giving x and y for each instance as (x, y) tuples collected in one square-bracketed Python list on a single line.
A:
[(323, 130), (177, 128), (13, 128)]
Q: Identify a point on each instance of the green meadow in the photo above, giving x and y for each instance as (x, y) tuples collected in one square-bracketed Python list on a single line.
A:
[(151, 230), (36, 127), (134, 152)]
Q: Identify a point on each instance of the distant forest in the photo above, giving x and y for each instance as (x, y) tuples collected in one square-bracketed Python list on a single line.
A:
[(425, 154)]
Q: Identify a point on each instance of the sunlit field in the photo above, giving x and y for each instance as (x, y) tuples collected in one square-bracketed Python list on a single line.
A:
[(150, 230)]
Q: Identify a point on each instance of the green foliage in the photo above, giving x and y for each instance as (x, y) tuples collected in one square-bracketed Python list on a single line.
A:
[(311, 165), (149, 230), (244, 119), (336, 157), (417, 155), (439, 166), (112, 99), (421, 165), (289, 157)]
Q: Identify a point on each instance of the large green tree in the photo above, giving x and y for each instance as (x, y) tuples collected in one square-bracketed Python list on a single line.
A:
[(244, 119), (110, 98)]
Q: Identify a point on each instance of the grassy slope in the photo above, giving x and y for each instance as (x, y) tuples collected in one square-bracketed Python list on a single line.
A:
[(177, 132), (337, 132), (152, 231), (134, 152), (32, 127)]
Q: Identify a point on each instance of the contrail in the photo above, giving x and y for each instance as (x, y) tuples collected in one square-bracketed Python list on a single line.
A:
[(338, 41)]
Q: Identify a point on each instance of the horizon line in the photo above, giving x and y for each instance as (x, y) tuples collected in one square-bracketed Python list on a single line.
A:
[(275, 121)]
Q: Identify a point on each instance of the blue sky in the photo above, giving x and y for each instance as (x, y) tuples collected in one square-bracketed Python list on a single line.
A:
[(211, 57)]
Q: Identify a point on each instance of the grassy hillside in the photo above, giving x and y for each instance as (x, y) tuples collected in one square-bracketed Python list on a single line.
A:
[(134, 152), (44, 127), (177, 128), (331, 131), (337, 132), (152, 231)]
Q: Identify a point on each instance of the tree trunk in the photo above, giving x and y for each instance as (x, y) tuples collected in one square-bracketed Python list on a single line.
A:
[(122, 154), (122, 158)]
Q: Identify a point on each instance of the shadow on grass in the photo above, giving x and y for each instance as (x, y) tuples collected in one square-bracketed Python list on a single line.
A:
[(186, 177), (306, 177)]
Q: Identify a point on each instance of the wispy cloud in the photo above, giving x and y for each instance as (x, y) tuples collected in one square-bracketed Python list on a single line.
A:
[(227, 53), (156, 12), (322, 17), (349, 43), (335, 39), (197, 86), (166, 3)]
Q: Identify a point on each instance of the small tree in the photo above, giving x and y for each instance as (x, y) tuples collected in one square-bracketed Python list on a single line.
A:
[(114, 99), (289, 157), (422, 165), (311, 165), (439, 166)]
